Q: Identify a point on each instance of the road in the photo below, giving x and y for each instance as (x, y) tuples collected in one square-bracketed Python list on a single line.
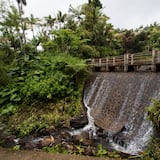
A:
[(36, 155)]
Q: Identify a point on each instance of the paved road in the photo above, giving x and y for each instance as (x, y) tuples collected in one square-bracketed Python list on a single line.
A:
[(35, 155)]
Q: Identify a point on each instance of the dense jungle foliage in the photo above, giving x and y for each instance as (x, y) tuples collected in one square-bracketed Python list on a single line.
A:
[(42, 62)]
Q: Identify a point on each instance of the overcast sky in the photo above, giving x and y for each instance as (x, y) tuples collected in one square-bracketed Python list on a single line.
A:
[(123, 13)]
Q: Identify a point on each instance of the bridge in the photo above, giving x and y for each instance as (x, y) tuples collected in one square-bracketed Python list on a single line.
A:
[(146, 61)]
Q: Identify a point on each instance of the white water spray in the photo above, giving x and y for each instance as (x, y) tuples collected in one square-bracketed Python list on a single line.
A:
[(90, 127)]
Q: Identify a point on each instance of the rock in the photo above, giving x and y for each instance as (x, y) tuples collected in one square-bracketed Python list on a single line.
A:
[(69, 147), (31, 143), (80, 137), (83, 139), (46, 141), (89, 151), (28, 142), (102, 133), (49, 131), (3, 131), (65, 135), (9, 141), (79, 122)]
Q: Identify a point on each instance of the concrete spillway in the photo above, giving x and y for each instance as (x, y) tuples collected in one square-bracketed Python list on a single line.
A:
[(117, 104)]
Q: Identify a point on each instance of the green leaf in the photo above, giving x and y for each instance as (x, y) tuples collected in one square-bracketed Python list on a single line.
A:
[(13, 96), (49, 96), (2, 100)]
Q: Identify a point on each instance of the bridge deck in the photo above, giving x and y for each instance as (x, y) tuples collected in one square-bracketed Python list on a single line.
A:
[(126, 61)]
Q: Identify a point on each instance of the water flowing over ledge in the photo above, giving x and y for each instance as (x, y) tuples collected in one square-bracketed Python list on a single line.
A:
[(116, 102)]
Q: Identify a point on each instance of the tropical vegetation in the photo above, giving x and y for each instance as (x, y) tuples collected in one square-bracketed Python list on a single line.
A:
[(43, 87)]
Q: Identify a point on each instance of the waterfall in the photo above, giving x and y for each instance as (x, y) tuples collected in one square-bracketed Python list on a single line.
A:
[(140, 140), (90, 127), (116, 102)]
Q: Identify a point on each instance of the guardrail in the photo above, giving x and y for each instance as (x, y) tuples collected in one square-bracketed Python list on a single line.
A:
[(126, 61)]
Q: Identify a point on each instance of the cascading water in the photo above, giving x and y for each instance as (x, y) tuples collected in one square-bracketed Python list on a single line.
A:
[(116, 103), (90, 127)]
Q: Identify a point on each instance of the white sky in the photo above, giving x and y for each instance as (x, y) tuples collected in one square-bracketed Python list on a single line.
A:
[(123, 13)]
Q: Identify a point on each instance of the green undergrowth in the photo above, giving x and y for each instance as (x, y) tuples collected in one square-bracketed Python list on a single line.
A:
[(39, 116), (153, 150), (82, 150), (101, 152), (44, 90), (56, 149), (151, 153)]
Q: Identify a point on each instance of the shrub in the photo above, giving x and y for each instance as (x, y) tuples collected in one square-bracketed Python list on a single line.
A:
[(51, 77), (154, 113)]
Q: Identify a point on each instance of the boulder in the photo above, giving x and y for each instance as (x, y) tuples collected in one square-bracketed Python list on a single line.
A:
[(46, 141), (83, 139), (79, 122)]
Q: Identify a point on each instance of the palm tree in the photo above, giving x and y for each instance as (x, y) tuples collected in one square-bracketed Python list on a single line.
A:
[(61, 18), (95, 3), (22, 3), (76, 13), (32, 22), (50, 21), (49, 25)]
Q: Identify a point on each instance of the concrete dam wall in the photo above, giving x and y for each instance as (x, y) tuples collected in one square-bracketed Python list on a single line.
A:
[(118, 101)]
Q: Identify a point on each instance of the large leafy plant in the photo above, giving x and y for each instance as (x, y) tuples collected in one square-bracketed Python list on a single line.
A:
[(49, 77)]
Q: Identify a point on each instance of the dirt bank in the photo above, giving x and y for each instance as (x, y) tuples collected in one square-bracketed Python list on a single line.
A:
[(35, 155)]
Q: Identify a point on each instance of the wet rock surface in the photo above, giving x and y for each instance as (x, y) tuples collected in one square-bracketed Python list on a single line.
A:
[(84, 143), (79, 122)]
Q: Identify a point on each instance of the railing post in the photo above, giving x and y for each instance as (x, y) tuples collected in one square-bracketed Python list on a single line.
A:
[(114, 61), (92, 65), (154, 60), (132, 60), (99, 63), (125, 62), (107, 65)]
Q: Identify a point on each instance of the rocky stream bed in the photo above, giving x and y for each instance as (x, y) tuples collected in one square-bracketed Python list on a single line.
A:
[(60, 140)]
